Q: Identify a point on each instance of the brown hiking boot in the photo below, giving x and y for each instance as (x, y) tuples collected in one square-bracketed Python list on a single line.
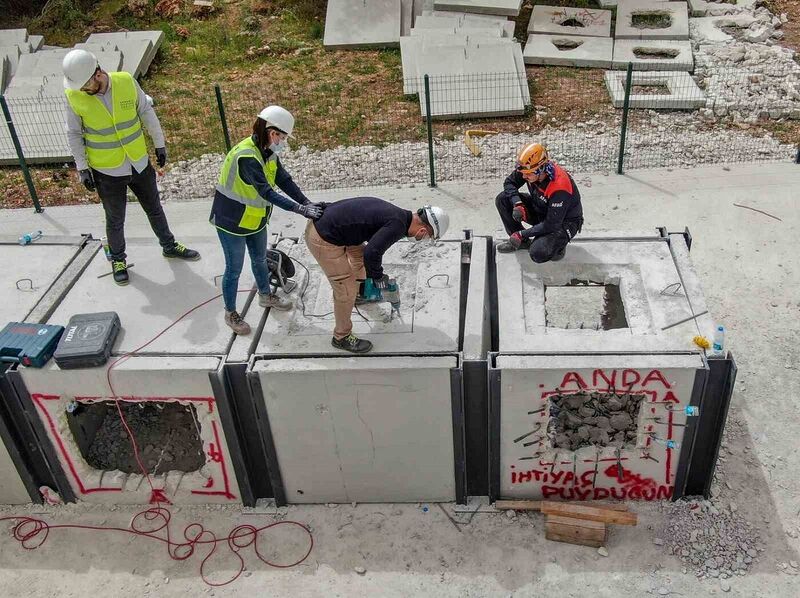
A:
[(237, 323), (272, 301)]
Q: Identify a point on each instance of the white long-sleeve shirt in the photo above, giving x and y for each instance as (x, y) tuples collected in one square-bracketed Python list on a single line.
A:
[(147, 115)]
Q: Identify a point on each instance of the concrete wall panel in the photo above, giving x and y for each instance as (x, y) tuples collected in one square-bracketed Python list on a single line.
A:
[(361, 429)]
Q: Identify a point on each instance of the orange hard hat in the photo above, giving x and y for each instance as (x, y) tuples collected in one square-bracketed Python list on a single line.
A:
[(532, 157)]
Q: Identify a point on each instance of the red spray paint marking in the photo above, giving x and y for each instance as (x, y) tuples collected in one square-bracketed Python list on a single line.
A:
[(226, 482), (157, 496)]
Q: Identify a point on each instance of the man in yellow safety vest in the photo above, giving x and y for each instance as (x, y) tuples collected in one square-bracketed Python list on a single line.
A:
[(105, 115)]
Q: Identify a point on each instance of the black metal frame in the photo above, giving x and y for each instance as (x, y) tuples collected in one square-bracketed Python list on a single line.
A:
[(267, 440), (690, 433), (494, 377), (459, 437)]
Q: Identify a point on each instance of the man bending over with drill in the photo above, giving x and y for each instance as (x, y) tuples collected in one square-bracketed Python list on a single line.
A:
[(349, 241)]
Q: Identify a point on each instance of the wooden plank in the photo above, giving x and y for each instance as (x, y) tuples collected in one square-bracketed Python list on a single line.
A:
[(603, 515), (518, 505), (575, 531)]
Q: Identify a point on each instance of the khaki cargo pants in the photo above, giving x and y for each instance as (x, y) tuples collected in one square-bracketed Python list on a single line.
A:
[(344, 267)]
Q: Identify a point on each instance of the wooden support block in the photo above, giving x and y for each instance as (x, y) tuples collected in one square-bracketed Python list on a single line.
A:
[(575, 531), (603, 515), (518, 505)]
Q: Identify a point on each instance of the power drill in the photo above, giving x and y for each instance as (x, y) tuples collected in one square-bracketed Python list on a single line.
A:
[(391, 294)]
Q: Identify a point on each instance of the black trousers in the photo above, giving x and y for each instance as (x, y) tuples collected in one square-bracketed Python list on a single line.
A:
[(544, 247), (113, 192)]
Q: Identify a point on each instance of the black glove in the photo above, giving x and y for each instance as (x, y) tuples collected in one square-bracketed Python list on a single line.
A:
[(87, 179), (161, 156), (381, 282), (310, 210)]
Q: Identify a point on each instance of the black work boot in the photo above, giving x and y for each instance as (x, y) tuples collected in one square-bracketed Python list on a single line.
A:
[(182, 252), (120, 270), (352, 343), (509, 247)]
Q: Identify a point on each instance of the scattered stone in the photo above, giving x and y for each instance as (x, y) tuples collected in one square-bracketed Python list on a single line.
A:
[(658, 542), (725, 585), (602, 551), (360, 570), (511, 514)]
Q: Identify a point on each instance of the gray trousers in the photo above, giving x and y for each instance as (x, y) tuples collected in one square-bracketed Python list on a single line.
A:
[(113, 192)]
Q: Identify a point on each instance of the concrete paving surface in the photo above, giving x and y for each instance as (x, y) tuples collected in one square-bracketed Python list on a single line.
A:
[(750, 272)]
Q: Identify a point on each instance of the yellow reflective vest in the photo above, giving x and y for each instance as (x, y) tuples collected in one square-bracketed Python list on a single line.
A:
[(110, 137), (238, 208)]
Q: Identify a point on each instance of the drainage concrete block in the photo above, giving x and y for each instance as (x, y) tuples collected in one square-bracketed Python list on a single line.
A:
[(477, 20), (653, 55), (709, 29), (406, 16), (11, 37), (11, 54), (122, 38), (704, 8), (566, 50), (656, 90), (508, 8), (359, 24), (650, 19), (570, 21), (36, 42)]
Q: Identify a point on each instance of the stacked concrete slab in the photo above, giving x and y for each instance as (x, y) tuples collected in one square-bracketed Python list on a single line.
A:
[(654, 54), (359, 24), (569, 37), (507, 8), (677, 12), (31, 79), (474, 66)]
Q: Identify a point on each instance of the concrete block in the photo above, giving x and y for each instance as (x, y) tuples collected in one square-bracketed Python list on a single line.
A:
[(570, 21), (522, 74), (406, 16), (531, 467), (11, 54), (509, 8), (156, 38), (704, 8), (11, 37), (675, 14), (567, 50), (639, 270), (425, 30), (477, 20), (135, 56), (429, 315), (654, 55), (142, 380), (151, 301), (710, 29), (359, 24), (361, 429), (681, 93), (479, 81), (37, 107), (36, 42)]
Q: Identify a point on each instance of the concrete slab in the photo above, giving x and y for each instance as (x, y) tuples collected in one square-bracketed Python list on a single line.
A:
[(5, 73), (428, 30), (675, 13), (36, 42), (156, 38), (362, 429), (10, 37), (704, 8), (681, 93), (709, 29), (477, 81), (566, 50), (477, 20), (522, 74), (509, 8), (28, 273), (38, 110), (359, 24), (12, 490), (640, 270), (11, 55), (162, 380), (406, 16), (152, 301), (570, 21), (477, 331), (430, 316), (654, 55), (532, 466)]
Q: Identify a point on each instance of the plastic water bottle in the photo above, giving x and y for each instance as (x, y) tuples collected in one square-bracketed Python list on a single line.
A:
[(106, 248), (718, 347), (29, 238)]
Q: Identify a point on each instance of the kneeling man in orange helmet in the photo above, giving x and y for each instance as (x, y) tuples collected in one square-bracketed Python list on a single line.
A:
[(552, 207)]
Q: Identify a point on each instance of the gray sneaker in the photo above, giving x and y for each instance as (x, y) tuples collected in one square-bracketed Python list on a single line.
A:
[(272, 301), (237, 323)]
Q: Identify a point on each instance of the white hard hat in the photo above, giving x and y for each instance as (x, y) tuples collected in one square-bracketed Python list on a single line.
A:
[(438, 220), (79, 66), (278, 117)]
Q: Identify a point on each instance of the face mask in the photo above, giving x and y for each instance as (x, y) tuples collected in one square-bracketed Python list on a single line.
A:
[(279, 147)]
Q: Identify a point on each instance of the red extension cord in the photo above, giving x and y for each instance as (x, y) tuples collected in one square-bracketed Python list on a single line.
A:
[(32, 532)]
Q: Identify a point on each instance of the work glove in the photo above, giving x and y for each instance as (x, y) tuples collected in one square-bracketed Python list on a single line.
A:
[(515, 240), (382, 282), (519, 213), (161, 156), (87, 179), (310, 210)]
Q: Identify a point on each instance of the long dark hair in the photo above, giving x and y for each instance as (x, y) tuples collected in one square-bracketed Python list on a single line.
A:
[(261, 132)]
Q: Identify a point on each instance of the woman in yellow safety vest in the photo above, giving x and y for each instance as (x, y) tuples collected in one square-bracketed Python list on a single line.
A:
[(243, 204)]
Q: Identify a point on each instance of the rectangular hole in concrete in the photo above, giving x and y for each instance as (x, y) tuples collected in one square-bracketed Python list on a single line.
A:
[(584, 304), (167, 436), (655, 53), (655, 19), (594, 419), (654, 89)]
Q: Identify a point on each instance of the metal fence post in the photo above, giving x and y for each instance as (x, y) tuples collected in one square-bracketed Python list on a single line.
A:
[(430, 130), (625, 106), (222, 119), (797, 156), (22, 163)]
